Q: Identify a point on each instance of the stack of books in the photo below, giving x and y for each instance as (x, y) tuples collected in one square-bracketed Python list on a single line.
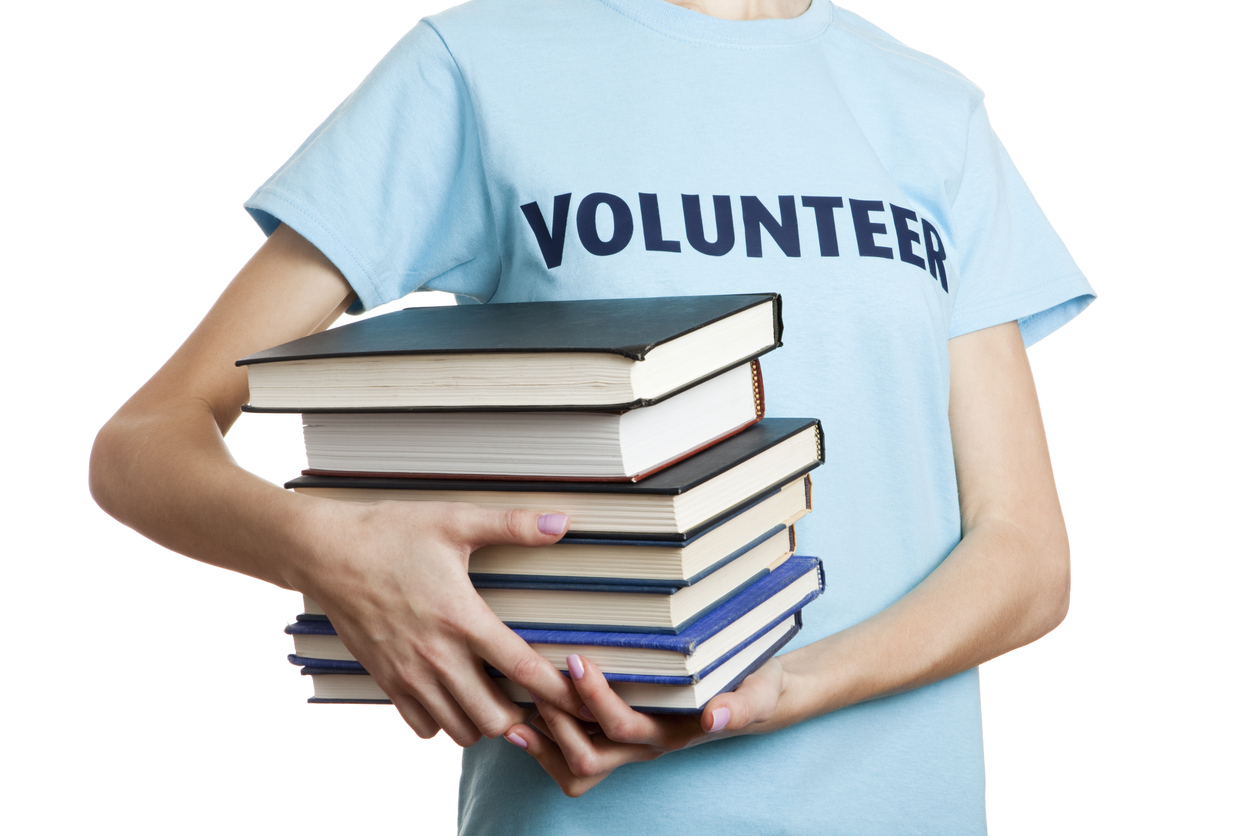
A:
[(641, 419)]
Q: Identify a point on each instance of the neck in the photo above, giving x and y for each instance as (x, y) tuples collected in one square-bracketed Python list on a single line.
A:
[(746, 9)]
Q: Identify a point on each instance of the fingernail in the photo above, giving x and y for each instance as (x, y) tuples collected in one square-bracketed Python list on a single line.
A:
[(586, 714), (517, 740), (535, 698), (721, 717), (575, 665), (552, 523)]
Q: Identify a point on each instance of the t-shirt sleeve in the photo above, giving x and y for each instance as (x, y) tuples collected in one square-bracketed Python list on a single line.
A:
[(391, 186), (1012, 264)]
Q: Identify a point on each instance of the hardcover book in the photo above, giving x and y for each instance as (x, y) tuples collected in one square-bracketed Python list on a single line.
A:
[(597, 354), (650, 608), (668, 659), (610, 446), (680, 502), (638, 562), (334, 685)]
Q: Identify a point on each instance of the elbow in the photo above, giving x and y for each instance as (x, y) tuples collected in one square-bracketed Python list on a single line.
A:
[(1053, 599), (103, 472)]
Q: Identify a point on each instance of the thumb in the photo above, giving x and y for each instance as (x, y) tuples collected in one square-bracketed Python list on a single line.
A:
[(482, 527), (754, 701)]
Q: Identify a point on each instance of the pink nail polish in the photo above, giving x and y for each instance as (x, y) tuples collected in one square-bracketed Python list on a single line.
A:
[(517, 740), (535, 698), (586, 714), (721, 717), (552, 523), (575, 665)]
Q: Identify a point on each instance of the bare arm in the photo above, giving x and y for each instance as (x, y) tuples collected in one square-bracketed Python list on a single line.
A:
[(391, 575), (1006, 584), (161, 466), (1008, 581)]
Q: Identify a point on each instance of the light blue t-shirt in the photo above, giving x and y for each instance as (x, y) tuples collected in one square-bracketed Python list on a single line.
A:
[(512, 150)]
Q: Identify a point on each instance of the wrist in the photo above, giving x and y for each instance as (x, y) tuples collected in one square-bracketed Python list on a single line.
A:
[(818, 678), (795, 696), (312, 530)]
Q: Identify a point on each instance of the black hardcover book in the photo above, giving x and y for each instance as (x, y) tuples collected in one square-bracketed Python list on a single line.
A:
[(595, 354), (680, 502)]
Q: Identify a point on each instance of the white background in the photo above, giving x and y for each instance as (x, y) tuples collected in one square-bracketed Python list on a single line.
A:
[(145, 692)]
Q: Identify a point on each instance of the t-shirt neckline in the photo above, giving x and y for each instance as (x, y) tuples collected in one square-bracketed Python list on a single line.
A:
[(676, 21)]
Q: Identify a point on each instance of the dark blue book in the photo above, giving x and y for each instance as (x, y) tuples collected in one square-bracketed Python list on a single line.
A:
[(763, 617), (625, 607), (333, 685), (630, 562)]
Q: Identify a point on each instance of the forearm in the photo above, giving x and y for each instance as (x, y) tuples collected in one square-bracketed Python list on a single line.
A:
[(167, 473), (1007, 583), (1002, 587), (392, 575), (161, 464)]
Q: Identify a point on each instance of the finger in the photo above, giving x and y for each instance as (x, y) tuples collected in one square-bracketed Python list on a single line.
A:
[(454, 671), (550, 757), (416, 716), (543, 727), (617, 719), (504, 650), (477, 527), (482, 700), (753, 700), (441, 706), (536, 721), (585, 755)]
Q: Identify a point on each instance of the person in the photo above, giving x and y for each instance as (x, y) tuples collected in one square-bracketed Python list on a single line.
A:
[(698, 151)]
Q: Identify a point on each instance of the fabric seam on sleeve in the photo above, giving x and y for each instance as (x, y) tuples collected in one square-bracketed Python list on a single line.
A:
[(1056, 285), (316, 220)]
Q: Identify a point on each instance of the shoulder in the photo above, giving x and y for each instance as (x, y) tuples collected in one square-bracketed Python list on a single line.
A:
[(865, 42), (915, 110), (903, 96)]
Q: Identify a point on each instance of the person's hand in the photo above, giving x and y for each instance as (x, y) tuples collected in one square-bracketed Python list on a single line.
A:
[(580, 750), (392, 578)]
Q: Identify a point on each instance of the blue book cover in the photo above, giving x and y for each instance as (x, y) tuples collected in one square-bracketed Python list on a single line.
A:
[(322, 670), (351, 667), (713, 621), (685, 642)]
